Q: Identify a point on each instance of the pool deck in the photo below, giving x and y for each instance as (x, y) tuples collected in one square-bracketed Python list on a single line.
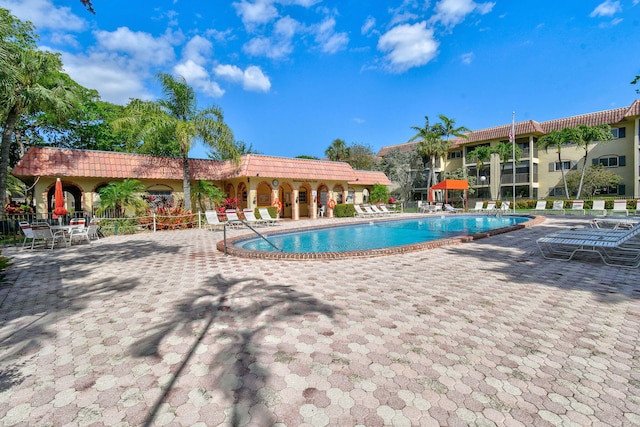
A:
[(163, 329)]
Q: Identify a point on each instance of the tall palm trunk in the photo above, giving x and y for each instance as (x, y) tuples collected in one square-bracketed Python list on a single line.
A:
[(564, 178), (5, 148), (186, 181)]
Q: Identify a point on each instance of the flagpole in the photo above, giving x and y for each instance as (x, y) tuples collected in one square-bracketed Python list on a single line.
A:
[(513, 146)]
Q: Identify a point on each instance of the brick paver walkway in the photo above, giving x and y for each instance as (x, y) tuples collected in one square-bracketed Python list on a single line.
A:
[(161, 329)]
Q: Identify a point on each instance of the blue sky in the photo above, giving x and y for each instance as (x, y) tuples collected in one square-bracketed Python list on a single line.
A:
[(293, 75)]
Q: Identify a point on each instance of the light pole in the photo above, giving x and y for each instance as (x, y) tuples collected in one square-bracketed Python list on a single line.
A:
[(482, 180)]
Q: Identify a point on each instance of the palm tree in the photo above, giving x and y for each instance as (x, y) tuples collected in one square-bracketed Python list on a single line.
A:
[(206, 191), (429, 146), (38, 85), (556, 138), (505, 153), (480, 154), (176, 118), (119, 196), (583, 136), (337, 151)]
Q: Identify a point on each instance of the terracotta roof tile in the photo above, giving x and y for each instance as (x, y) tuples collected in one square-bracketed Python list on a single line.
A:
[(370, 178), (531, 127), (46, 161)]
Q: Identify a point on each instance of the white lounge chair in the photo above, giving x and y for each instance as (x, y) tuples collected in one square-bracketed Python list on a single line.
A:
[(250, 217), (378, 211), (505, 205), (598, 206), (369, 210), (451, 209), (360, 212), (384, 209), (491, 207), (620, 207), (264, 214), (541, 206), (615, 247), (577, 207), (479, 207), (233, 220), (213, 222), (558, 206)]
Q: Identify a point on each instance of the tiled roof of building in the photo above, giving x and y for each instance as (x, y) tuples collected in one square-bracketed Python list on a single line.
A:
[(370, 178), (47, 161), (532, 127)]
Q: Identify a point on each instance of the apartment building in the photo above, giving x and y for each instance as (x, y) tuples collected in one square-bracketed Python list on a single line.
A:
[(538, 174)]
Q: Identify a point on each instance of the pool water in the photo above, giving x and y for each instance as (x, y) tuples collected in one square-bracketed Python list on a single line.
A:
[(382, 234)]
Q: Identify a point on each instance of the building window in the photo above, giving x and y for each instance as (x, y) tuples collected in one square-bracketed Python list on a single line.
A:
[(557, 166), (614, 190), (610, 161), (619, 132), (454, 154)]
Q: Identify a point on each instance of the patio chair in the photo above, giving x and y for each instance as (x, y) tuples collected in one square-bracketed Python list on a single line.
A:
[(264, 214), (614, 247), (44, 233), (620, 207), (598, 206), (92, 230), (77, 230), (558, 206), (577, 207), (479, 207), (233, 220), (321, 211), (213, 222), (27, 231), (250, 217)]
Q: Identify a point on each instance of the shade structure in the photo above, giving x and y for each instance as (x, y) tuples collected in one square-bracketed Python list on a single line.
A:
[(59, 196), (451, 184)]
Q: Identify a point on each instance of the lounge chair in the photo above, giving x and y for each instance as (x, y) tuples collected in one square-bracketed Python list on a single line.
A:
[(449, 208), (250, 217), (233, 220), (505, 205), (361, 213), (615, 247), (491, 207), (558, 206), (264, 214), (541, 206), (213, 222), (378, 211), (620, 207), (577, 207), (384, 209), (598, 206), (369, 210), (479, 207)]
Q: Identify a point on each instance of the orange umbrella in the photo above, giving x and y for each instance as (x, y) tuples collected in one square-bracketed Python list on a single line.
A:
[(59, 196)]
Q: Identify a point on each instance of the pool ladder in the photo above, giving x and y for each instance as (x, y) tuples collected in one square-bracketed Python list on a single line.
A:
[(246, 224)]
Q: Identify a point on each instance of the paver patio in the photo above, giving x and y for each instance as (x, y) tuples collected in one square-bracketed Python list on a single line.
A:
[(162, 329)]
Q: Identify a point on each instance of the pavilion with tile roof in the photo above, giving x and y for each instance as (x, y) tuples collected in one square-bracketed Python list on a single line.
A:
[(256, 180), (538, 173)]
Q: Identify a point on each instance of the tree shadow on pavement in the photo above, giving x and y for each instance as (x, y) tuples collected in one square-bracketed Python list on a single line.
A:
[(235, 312)]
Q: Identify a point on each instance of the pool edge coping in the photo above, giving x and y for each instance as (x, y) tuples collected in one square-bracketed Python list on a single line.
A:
[(233, 250)]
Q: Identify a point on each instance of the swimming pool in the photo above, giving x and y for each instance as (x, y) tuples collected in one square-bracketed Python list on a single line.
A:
[(375, 236)]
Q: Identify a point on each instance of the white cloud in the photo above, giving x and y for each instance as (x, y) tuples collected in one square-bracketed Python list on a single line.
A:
[(369, 25), (279, 45), (252, 78), (198, 49), (408, 46), (45, 15), (329, 40), (140, 46), (115, 79), (256, 13), (453, 12), (467, 58), (303, 3), (198, 77), (607, 8)]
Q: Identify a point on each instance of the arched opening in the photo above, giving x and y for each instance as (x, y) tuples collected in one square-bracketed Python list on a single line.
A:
[(72, 199), (263, 192), (305, 200), (285, 192)]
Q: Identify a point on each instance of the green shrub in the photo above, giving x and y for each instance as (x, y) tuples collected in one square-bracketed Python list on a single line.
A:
[(345, 210), (4, 264)]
